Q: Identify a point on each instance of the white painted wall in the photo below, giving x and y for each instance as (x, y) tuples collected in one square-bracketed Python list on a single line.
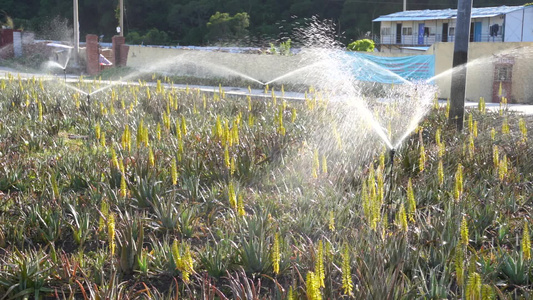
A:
[(513, 26), (528, 24), (17, 43)]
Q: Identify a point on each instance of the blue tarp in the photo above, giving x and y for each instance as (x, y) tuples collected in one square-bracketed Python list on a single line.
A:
[(368, 67)]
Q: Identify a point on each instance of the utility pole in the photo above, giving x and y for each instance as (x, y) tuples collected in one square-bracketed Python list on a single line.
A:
[(121, 33), (404, 5), (460, 59), (76, 26)]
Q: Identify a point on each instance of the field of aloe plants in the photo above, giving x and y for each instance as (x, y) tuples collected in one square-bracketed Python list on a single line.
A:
[(153, 192)]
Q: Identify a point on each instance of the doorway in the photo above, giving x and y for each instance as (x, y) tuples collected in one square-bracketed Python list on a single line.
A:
[(399, 33)]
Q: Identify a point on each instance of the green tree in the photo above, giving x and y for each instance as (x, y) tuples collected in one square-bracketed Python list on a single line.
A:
[(364, 45), (223, 27)]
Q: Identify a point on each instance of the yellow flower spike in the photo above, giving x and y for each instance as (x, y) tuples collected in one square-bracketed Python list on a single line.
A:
[(293, 115), (464, 232), (240, 206), (148, 96), (291, 294), (324, 164), (180, 150), (275, 255), (411, 202), (422, 159), (458, 190), (158, 87), (232, 197), (381, 185), (319, 264), (158, 131), (204, 99), (440, 173), (500, 90), (232, 166), (40, 107), (104, 210), (505, 126), (481, 105), (347, 284), (139, 136), (102, 139), (111, 232), (526, 242), (176, 256), (471, 146), (313, 286), (331, 221), (495, 156), (151, 158), (502, 168), (473, 287), (183, 125), (174, 171), (251, 120), (97, 130), (178, 130), (146, 137), (123, 186), (401, 219), (475, 131), (114, 159)]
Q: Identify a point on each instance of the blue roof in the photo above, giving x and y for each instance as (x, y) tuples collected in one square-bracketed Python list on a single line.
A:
[(440, 14)]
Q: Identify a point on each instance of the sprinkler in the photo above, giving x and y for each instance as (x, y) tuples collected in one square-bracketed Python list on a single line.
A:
[(65, 73)]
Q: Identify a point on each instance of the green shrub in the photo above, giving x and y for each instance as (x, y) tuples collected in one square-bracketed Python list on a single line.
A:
[(364, 45)]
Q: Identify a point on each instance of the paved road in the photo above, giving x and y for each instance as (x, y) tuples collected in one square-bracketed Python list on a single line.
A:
[(521, 108)]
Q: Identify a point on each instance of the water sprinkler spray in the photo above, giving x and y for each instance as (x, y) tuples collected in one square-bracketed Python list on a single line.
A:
[(89, 105), (391, 155), (65, 74)]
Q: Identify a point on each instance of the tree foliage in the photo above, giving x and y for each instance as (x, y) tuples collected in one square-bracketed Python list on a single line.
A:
[(222, 26), (364, 45), (186, 21)]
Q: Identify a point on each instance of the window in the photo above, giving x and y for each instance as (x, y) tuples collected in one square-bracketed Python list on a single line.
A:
[(503, 72), (407, 31), (427, 31), (385, 31), (451, 31)]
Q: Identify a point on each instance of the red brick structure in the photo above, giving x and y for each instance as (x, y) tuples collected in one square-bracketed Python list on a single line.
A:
[(120, 51), (6, 43), (93, 54)]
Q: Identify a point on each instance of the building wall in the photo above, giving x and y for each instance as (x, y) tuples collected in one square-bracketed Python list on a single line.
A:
[(480, 70), (208, 64), (480, 74), (528, 24), (513, 26)]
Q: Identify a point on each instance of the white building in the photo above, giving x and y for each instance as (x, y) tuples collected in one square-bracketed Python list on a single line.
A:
[(418, 29)]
